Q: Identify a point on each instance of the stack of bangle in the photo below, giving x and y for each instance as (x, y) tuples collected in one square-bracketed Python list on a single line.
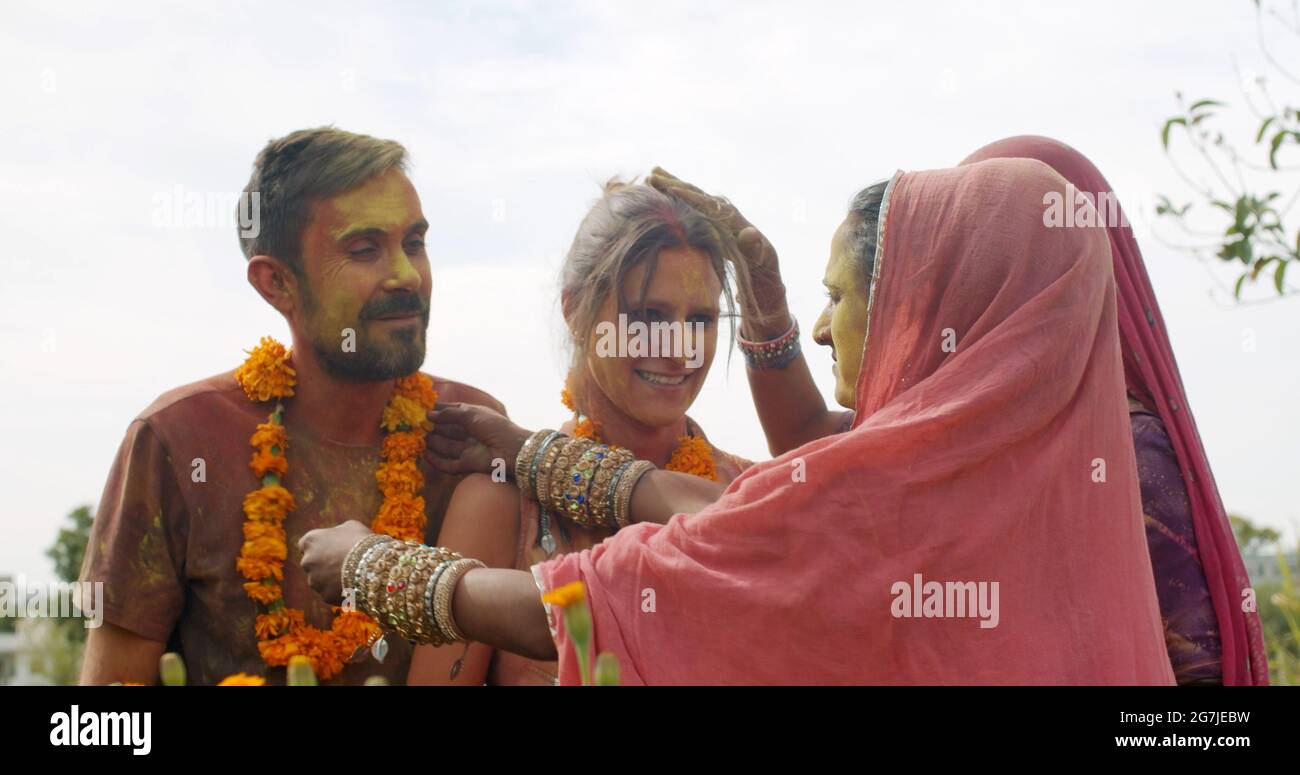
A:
[(407, 587), (588, 482), (774, 353)]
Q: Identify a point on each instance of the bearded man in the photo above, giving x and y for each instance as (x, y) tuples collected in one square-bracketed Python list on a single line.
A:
[(190, 561)]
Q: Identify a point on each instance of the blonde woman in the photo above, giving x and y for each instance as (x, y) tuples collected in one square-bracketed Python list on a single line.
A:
[(641, 293)]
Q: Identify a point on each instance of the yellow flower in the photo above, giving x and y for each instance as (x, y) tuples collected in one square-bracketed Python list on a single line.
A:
[(405, 411), (243, 679), (267, 373), (567, 595)]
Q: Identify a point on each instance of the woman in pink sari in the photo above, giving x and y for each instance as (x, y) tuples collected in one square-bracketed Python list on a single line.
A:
[(979, 523), (1200, 577)]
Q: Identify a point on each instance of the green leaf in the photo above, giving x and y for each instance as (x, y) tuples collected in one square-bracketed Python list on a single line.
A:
[(1236, 291), (1259, 137), (1205, 104), (1272, 152), (1279, 275), (1164, 134)]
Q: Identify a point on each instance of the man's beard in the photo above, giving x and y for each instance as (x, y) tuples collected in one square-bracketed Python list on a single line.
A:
[(376, 358)]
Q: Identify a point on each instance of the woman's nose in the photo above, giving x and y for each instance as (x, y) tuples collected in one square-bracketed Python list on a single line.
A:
[(822, 328)]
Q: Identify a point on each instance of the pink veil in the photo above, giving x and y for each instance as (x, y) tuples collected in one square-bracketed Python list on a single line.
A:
[(1151, 375)]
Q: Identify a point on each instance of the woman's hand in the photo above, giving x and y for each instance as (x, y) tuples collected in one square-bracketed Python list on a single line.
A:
[(323, 551), (470, 439), (758, 253)]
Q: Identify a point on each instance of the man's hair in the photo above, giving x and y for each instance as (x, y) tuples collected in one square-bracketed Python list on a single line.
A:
[(304, 166)]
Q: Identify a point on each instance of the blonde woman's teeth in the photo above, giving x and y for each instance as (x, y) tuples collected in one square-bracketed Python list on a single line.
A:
[(661, 379)]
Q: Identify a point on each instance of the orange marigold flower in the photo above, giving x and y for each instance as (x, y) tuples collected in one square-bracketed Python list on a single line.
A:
[(694, 456), (567, 595), (354, 627), (262, 593), (276, 652), (418, 388), (270, 434), (267, 373), (399, 478), (264, 462), (586, 429), (264, 548), (254, 530), (566, 398), (404, 411), (401, 517), (257, 569), (268, 504), (243, 679), (402, 445)]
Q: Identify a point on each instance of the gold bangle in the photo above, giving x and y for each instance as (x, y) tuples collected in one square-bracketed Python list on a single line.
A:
[(626, 484), (542, 479), (446, 590), (600, 499), (569, 454)]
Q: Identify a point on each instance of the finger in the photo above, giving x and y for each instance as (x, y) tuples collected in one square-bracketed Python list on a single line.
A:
[(447, 465), (442, 446), (448, 430), (302, 542)]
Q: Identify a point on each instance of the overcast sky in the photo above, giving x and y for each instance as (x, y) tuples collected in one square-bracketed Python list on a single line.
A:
[(513, 113)]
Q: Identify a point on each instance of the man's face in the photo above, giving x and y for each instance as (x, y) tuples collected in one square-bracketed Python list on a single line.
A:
[(366, 273)]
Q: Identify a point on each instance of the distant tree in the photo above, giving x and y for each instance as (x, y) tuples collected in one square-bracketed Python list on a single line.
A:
[(57, 644), (1251, 538), (70, 546), (1250, 196)]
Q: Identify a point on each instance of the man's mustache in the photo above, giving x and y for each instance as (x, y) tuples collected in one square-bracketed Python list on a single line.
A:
[(404, 304)]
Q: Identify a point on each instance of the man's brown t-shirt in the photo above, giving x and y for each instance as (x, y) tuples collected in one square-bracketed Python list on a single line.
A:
[(165, 544)]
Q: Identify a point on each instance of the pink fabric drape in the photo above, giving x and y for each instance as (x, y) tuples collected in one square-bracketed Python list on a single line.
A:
[(991, 396), (1151, 375)]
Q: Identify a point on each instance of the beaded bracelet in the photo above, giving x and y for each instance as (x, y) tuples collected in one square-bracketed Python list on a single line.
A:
[(773, 353)]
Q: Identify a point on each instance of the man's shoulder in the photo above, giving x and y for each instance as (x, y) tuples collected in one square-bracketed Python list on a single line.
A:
[(451, 391), (213, 398)]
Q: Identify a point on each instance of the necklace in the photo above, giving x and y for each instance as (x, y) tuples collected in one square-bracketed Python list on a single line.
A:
[(281, 631)]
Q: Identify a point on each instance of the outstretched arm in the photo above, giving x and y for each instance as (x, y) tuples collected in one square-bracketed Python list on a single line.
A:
[(482, 522)]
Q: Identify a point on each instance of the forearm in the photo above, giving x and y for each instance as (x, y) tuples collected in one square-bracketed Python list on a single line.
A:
[(503, 608), (113, 654), (661, 494), (790, 407)]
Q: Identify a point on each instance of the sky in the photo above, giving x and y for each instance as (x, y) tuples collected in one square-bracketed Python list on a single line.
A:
[(514, 113)]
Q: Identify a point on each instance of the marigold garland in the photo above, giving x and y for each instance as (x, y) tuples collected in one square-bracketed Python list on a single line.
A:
[(282, 632), (693, 455)]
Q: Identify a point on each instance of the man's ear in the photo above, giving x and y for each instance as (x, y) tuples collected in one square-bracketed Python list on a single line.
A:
[(275, 281)]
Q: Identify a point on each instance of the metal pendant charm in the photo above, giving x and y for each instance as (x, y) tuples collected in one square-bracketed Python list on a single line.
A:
[(379, 650)]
